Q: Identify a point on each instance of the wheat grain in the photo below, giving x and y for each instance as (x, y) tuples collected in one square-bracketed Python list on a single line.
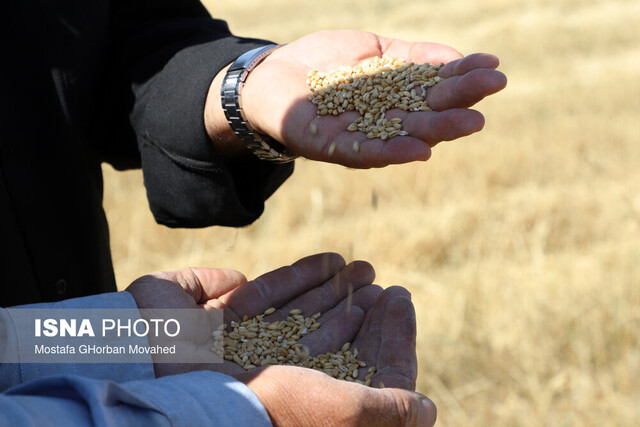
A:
[(372, 88), (255, 342)]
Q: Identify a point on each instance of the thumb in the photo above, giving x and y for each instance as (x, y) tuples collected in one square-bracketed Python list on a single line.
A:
[(214, 282), (398, 407), (302, 397), (182, 288)]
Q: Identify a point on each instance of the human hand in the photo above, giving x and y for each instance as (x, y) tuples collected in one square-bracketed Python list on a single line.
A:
[(386, 339), (274, 98), (380, 324), (318, 283), (302, 397), (296, 396)]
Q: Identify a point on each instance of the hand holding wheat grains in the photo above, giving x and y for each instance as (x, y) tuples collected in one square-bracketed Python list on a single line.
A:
[(379, 324), (275, 99), (349, 308)]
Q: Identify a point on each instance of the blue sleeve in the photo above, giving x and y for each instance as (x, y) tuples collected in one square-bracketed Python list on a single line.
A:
[(195, 398), (117, 393), (12, 374)]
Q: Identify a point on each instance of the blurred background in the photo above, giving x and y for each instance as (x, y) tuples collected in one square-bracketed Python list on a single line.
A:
[(520, 244)]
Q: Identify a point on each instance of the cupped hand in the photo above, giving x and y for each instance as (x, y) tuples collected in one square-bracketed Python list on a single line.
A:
[(379, 323), (275, 98), (318, 283)]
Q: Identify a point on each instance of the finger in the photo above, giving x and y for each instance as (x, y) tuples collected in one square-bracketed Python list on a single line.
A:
[(278, 286), (394, 407), (201, 284), (214, 282), (341, 324), (433, 53), (321, 400), (465, 90), (423, 127), (434, 127), (471, 62), (326, 296), (397, 364), (165, 289), (369, 337)]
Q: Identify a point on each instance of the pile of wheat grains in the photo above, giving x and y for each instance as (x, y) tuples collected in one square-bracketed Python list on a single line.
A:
[(372, 88), (255, 342)]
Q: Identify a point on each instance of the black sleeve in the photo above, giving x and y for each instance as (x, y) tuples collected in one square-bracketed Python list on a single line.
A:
[(173, 49)]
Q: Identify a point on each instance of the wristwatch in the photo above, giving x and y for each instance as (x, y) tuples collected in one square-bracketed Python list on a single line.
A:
[(262, 146)]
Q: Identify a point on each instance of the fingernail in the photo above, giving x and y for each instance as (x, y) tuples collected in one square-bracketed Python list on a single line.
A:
[(428, 412)]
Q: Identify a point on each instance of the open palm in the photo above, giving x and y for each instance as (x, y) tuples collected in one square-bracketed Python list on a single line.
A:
[(275, 98), (380, 323)]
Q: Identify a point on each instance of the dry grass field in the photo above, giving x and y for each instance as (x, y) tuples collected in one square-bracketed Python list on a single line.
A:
[(520, 244)]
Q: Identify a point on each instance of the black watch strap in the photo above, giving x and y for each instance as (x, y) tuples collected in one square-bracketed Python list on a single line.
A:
[(262, 146)]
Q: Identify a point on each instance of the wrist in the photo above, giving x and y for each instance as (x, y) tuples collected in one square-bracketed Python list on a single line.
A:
[(235, 108), (225, 141)]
